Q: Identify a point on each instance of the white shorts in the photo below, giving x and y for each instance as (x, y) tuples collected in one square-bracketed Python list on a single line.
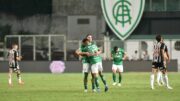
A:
[(95, 68), (85, 67), (118, 68)]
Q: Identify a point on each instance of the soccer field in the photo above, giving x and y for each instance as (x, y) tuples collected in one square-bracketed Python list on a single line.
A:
[(69, 87)]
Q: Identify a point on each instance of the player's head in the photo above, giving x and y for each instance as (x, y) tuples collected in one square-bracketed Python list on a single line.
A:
[(158, 38), (135, 51), (115, 48), (89, 37), (15, 46), (85, 41)]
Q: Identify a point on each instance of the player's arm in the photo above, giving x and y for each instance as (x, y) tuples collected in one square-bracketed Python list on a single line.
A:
[(168, 57), (167, 54), (80, 53), (84, 53), (19, 58), (162, 51), (99, 51), (125, 56), (96, 53)]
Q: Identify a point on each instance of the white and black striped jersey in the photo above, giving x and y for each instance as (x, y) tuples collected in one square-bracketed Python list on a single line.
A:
[(166, 49), (157, 53), (12, 54)]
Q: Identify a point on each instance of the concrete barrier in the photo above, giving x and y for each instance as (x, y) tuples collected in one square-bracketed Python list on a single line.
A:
[(76, 66)]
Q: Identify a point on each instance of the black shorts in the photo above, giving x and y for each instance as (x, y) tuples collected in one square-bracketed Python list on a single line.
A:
[(159, 65), (15, 68)]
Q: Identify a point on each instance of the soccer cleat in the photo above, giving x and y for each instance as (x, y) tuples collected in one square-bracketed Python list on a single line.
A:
[(85, 90), (169, 87), (159, 83), (152, 88), (162, 82), (98, 90), (94, 90), (21, 83), (119, 84), (114, 83), (106, 89)]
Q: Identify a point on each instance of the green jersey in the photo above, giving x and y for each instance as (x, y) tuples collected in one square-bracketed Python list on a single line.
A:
[(92, 48), (84, 59), (118, 56)]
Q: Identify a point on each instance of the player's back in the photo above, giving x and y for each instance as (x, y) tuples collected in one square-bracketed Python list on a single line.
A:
[(11, 55), (157, 55)]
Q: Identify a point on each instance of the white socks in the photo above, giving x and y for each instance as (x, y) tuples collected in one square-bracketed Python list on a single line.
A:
[(159, 74), (10, 81), (165, 77), (152, 81), (160, 79), (19, 80)]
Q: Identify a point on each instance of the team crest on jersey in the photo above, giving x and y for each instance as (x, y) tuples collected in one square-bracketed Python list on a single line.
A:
[(122, 16)]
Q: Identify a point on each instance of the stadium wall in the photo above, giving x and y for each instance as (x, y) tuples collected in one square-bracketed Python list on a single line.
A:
[(75, 66)]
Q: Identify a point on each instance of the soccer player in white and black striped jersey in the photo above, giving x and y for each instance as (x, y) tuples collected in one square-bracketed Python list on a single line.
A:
[(14, 57), (159, 61), (160, 80)]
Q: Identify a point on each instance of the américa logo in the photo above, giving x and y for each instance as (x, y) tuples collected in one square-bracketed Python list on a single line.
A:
[(123, 16)]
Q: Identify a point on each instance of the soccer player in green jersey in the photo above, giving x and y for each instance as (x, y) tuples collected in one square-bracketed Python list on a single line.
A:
[(96, 63), (85, 64), (118, 55)]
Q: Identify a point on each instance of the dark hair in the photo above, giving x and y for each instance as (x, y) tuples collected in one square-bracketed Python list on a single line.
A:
[(13, 44), (135, 51), (158, 38), (85, 40), (115, 48), (88, 35)]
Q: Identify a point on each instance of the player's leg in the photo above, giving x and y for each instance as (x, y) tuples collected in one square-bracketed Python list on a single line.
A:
[(165, 78), (93, 83), (94, 69), (120, 70), (96, 81), (159, 76), (100, 68), (19, 77), (154, 69), (161, 79), (152, 77), (18, 72), (114, 69), (103, 80), (85, 79), (10, 76)]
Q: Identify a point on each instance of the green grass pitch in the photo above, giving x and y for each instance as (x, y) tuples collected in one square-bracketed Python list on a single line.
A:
[(69, 87)]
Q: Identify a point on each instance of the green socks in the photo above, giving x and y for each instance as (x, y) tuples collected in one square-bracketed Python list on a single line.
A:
[(85, 80), (103, 80), (96, 82), (93, 83), (120, 78), (114, 77)]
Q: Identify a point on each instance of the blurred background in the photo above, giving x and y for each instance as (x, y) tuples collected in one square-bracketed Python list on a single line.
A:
[(51, 30)]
